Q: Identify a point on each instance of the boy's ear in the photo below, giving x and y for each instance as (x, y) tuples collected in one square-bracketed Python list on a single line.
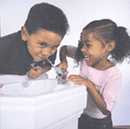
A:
[(111, 45), (24, 33)]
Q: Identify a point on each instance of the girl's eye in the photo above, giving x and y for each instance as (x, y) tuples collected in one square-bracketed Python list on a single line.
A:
[(88, 45)]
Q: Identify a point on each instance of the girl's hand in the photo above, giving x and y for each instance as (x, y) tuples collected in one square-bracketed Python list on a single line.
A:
[(63, 65), (35, 72), (1, 85), (79, 80)]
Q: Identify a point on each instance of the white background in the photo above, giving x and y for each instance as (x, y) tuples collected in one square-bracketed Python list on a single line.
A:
[(79, 14)]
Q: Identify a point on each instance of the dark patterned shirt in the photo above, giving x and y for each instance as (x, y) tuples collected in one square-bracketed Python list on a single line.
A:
[(15, 57)]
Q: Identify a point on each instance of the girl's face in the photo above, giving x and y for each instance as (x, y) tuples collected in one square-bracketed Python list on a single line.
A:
[(93, 50), (43, 44)]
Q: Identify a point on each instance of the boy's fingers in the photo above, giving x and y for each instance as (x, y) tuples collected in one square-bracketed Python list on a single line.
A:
[(33, 73), (33, 76), (37, 68), (1, 85), (39, 71)]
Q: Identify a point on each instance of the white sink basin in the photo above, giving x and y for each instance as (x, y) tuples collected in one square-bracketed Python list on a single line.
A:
[(43, 105), (37, 87), (13, 85)]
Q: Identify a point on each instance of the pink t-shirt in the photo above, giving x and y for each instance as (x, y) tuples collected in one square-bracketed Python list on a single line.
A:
[(108, 83)]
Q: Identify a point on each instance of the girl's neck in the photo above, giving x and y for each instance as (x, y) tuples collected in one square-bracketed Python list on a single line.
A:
[(103, 65)]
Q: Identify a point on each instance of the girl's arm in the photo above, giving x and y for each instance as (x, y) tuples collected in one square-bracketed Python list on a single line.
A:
[(91, 88), (66, 51), (97, 98), (63, 54), (107, 98)]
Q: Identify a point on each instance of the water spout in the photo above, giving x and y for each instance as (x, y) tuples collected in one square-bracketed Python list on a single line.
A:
[(61, 75)]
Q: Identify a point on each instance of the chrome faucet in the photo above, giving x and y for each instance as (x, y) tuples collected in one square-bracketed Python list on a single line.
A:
[(60, 73)]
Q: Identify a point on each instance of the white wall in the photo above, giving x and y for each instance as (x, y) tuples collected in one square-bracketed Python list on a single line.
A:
[(79, 13)]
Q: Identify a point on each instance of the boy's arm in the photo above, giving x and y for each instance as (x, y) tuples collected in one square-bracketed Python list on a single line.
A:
[(4, 56), (37, 71)]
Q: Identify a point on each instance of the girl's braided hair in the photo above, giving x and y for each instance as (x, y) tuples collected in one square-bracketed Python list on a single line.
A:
[(107, 30)]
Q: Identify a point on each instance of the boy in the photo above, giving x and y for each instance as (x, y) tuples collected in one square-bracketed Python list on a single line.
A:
[(38, 40)]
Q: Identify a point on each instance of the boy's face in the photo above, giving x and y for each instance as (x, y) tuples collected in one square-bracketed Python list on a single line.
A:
[(43, 44)]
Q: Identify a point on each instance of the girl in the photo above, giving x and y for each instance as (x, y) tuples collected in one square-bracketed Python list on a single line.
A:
[(99, 39)]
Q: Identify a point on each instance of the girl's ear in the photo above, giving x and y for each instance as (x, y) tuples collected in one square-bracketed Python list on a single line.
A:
[(111, 45), (24, 33)]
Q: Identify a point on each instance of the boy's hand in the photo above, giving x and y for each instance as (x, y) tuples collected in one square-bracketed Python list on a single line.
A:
[(35, 72), (1, 85), (78, 80)]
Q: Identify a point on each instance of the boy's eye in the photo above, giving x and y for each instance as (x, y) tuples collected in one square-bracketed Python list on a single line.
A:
[(88, 45), (43, 45), (53, 48)]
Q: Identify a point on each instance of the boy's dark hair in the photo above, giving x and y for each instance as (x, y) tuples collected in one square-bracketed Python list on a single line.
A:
[(107, 30), (48, 17)]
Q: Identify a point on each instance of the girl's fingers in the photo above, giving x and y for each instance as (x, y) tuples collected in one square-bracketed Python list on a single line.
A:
[(78, 80), (67, 71), (73, 78), (79, 83), (62, 66)]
